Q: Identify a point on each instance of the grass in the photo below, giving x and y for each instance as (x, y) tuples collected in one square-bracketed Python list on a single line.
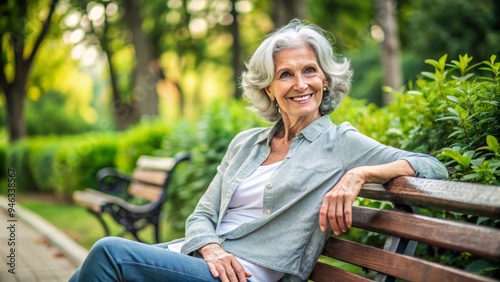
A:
[(83, 227)]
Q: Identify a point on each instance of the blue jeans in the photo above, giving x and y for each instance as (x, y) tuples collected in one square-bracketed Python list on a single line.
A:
[(118, 259)]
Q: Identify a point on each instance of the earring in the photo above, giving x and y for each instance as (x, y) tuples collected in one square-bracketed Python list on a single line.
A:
[(278, 108), (324, 88)]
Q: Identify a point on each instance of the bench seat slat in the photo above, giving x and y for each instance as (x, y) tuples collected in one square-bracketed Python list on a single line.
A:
[(396, 265), (89, 200), (325, 273), (94, 199), (469, 198), (151, 177), (479, 240)]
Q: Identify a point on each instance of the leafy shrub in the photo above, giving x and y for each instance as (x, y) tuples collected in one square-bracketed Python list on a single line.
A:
[(143, 139), (3, 160), (77, 161), (17, 159), (41, 162), (456, 117)]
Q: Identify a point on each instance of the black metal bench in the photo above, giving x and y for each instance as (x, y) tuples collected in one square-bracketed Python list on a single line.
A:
[(134, 201), (405, 228)]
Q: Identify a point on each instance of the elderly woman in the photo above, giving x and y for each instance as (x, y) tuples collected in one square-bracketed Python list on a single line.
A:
[(279, 191)]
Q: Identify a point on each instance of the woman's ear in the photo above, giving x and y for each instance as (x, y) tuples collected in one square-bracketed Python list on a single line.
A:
[(269, 94)]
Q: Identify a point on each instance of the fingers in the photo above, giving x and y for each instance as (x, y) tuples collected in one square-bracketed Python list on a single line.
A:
[(229, 271), (323, 214), (227, 268), (337, 209)]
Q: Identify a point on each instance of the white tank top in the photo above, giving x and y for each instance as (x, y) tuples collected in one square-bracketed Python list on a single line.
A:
[(246, 205)]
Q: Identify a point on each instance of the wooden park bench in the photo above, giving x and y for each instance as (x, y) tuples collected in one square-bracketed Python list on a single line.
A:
[(406, 228), (134, 201)]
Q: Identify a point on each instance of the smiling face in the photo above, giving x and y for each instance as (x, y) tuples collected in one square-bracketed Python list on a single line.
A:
[(297, 84)]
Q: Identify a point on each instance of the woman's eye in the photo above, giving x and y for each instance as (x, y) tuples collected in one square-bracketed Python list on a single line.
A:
[(285, 74), (310, 70)]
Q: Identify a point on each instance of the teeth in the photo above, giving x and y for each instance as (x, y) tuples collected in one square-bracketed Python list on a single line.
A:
[(302, 98)]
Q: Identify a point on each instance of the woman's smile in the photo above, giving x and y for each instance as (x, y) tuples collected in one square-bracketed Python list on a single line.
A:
[(302, 99)]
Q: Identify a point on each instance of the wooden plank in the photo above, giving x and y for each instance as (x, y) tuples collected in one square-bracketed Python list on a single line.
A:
[(151, 177), (88, 200), (326, 273), (479, 240), (396, 265), (155, 163), (94, 199), (145, 191), (469, 198)]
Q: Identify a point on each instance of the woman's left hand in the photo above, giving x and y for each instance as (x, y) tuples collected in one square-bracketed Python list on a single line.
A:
[(337, 204)]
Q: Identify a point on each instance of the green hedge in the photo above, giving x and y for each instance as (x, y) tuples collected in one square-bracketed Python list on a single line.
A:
[(77, 161), (144, 139), (60, 165), (63, 164)]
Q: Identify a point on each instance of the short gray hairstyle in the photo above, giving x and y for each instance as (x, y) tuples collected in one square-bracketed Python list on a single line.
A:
[(260, 68)]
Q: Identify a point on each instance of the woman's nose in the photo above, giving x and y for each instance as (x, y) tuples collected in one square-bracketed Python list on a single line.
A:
[(300, 83)]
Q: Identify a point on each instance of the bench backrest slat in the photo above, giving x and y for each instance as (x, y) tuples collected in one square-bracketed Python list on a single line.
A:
[(400, 266), (144, 191), (150, 177), (327, 273), (468, 198), (155, 163), (479, 240)]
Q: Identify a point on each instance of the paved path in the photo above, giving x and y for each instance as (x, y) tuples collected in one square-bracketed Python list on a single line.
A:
[(37, 250)]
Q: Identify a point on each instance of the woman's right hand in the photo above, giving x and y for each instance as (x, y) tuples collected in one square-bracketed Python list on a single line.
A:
[(223, 265)]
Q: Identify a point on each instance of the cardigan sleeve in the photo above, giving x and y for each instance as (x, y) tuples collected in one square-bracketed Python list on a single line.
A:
[(360, 150)]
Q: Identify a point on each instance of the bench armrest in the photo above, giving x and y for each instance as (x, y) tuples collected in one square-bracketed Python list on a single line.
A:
[(111, 181)]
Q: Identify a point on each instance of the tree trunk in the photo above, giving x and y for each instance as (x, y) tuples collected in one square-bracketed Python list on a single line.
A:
[(15, 91), (145, 75), (125, 113), (15, 96), (286, 10), (391, 62)]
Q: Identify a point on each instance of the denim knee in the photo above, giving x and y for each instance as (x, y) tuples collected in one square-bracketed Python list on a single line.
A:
[(107, 242)]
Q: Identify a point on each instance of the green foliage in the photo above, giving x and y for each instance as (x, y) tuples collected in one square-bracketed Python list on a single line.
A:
[(17, 159), (220, 123), (3, 160), (143, 139), (77, 162), (60, 164), (452, 113), (48, 116), (434, 27)]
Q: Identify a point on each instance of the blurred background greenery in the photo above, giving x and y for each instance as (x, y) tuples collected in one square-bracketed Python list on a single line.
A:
[(88, 84)]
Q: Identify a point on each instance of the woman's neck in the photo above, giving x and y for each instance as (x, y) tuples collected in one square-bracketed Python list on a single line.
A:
[(290, 128)]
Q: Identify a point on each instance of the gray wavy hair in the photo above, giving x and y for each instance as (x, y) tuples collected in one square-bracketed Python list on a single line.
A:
[(260, 68)]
